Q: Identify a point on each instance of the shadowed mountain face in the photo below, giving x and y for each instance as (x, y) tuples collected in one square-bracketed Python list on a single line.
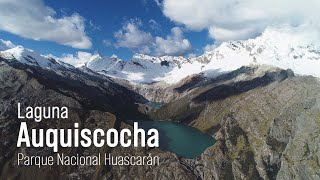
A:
[(94, 101), (198, 91), (92, 91), (224, 91), (265, 120)]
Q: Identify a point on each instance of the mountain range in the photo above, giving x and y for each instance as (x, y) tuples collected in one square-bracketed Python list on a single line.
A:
[(259, 99), (281, 48)]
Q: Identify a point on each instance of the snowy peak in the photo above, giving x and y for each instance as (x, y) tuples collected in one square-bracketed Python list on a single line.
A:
[(5, 45), (141, 69), (95, 57), (109, 64), (30, 57), (281, 47)]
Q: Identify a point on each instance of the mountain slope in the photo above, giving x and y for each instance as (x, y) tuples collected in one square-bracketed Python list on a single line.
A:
[(94, 101), (30, 57), (264, 116), (265, 121)]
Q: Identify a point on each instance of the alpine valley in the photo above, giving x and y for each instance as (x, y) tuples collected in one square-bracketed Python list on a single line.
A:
[(257, 99)]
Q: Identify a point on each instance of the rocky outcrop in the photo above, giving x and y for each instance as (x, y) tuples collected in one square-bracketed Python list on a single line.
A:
[(94, 101), (265, 121)]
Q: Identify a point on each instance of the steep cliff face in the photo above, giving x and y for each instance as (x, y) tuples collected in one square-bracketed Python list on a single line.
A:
[(164, 93), (93, 101), (265, 120)]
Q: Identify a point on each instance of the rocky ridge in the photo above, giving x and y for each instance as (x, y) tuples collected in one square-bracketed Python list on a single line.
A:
[(94, 101), (253, 96), (265, 121)]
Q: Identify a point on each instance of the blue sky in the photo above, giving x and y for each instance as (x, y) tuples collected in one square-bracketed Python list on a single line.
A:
[(103, 19), (153, 27)]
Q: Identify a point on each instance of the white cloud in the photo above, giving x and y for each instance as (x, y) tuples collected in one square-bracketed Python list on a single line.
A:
[(131, 36), (107, 42), (154, 25), (77, 60), (173, 44), (33, 19), (5, 45), (233, 19), (93, 26)]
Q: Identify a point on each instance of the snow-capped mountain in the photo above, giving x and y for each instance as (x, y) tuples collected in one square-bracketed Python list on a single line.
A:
[(141, 69), (284, 48), (295, 49), (109, 64), (28, 56)]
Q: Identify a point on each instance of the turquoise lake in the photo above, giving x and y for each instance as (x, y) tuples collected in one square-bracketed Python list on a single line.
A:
[(184, 141)]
